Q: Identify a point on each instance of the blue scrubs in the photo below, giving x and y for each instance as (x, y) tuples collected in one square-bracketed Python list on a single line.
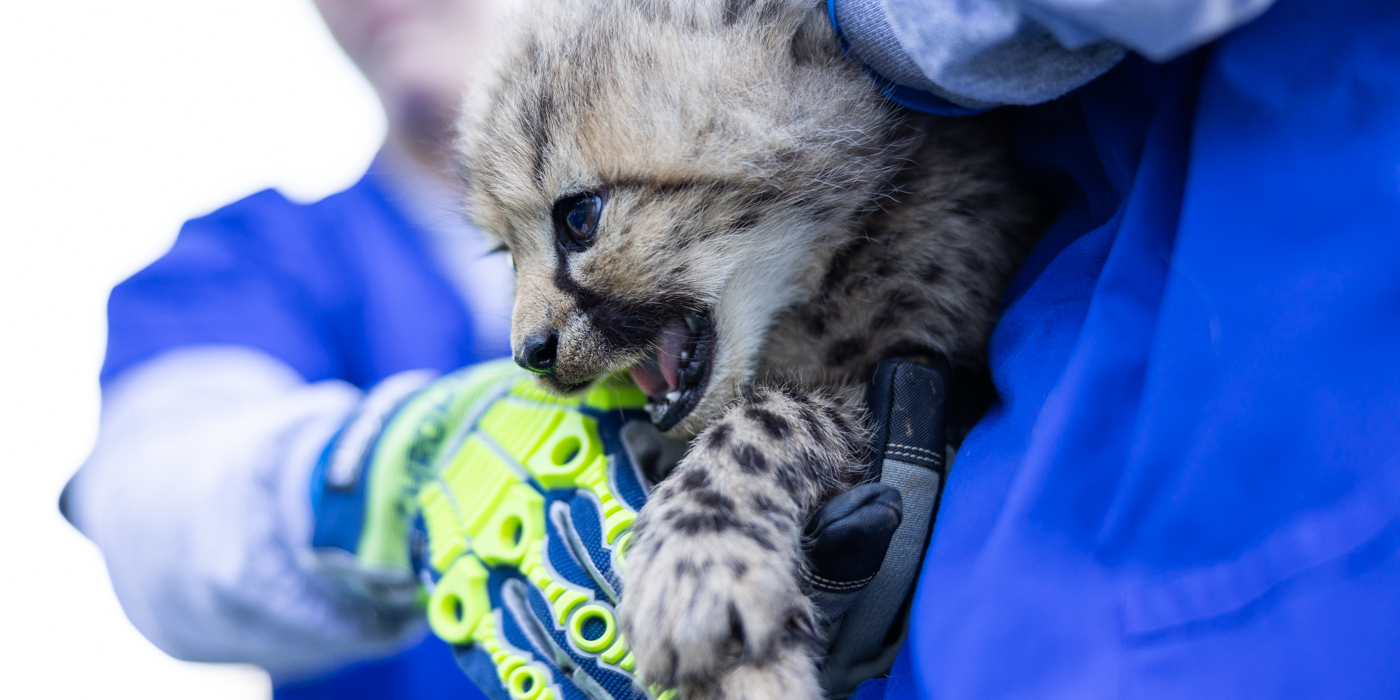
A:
[(340, 289), (1191, 484)]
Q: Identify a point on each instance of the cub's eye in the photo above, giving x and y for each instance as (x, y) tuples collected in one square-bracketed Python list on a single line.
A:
[(576, 220)]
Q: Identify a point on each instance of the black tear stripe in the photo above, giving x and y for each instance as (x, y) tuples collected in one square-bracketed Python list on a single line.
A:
[(622, 323)]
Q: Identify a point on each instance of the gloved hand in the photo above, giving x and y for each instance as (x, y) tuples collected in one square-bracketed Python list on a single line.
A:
[(528, 523), (526, 500), (509, 507), (366, 483)]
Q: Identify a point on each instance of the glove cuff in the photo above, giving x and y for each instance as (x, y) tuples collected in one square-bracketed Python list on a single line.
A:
[(339, 481)]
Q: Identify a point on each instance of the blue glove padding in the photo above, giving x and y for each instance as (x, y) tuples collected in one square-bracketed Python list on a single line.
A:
[(528, 523)]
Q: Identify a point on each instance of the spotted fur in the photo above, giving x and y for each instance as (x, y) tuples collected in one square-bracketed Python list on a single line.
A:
[(753, 175)]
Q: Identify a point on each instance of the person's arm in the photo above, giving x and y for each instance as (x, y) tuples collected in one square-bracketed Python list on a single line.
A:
[(976, 54), (197, 495)]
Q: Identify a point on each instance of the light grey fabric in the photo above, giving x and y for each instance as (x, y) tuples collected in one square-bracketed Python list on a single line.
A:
[(1158, 29), (980, 53), (974, 54), (197, 494), (879, 48), (858, 651)]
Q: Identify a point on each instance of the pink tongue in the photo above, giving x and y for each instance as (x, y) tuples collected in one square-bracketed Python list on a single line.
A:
[(658, 377), (668, 353), (648, 378)]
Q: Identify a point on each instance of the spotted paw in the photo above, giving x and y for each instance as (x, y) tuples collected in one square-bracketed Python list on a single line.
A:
[(701, 604)]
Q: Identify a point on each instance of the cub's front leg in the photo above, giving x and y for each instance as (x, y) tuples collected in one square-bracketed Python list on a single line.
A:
[(711, 601)]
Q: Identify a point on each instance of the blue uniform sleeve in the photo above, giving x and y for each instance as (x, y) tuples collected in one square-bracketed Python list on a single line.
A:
[(1188, 485), (226, 281)]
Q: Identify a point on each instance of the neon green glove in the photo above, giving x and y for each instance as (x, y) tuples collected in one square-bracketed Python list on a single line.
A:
[(528, 527), (526, 501), (511, 509)]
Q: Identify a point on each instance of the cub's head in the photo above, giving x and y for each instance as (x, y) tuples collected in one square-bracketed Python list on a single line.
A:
[(668, 176)]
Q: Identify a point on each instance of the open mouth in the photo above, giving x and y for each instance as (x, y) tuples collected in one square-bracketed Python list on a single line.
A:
[(675, 374)]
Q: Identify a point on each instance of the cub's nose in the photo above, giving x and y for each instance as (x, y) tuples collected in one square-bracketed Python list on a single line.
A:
[(537, 353)]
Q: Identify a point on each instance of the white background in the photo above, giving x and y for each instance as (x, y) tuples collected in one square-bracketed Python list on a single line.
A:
[(118, 121)]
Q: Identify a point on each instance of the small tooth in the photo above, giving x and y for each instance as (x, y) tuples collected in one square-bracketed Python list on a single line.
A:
[(672, 396), (685, 355), (692, 323)]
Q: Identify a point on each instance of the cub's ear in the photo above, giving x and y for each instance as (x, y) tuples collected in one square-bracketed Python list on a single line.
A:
[(815, 41)]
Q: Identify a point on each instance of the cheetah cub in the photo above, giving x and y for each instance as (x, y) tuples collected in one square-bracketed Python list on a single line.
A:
[(706, 193)]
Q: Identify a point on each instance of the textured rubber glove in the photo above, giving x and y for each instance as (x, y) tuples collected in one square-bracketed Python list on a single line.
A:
[(366, 483), (514, 508), (528, 523)]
